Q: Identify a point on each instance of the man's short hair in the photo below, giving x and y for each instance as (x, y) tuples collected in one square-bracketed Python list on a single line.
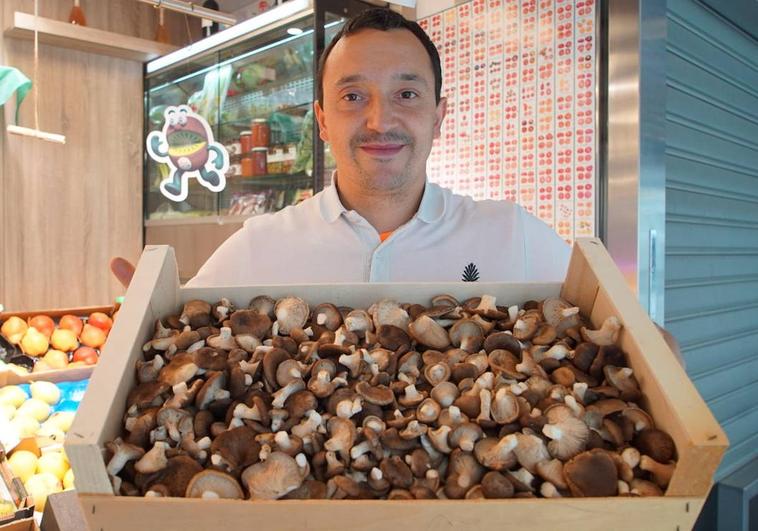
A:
[(382, 19)]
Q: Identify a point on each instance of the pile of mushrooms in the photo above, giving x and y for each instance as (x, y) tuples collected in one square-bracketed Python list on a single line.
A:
[(400, 401)]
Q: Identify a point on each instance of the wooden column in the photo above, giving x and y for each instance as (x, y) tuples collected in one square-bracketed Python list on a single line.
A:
[(66, 210)]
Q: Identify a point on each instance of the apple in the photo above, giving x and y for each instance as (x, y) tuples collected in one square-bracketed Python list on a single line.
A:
[(34, 342), (43, 324), (56, 359), (71, 322), (88, 355), (14, 329), (100, 320), (63, 339), (92, 336)]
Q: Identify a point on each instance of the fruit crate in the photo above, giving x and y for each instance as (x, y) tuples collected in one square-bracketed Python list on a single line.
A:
[(593, 283), (8, 377)]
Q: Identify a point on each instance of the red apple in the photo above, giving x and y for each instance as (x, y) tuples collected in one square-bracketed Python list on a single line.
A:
[(92, 336), (43, 324), (88, 355), (100, 320), (71, 322)]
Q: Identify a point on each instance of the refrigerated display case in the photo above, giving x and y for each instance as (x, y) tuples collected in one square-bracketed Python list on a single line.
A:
[(254, 84)]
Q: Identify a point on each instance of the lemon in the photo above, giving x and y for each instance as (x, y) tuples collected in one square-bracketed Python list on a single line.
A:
[(54, 463), (23, 464)]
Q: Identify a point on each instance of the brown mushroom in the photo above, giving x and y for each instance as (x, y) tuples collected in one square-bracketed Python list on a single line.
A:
[(591, 473), (291, 313), (568, 434), (496, 486), (607, 334), (428, 332), (467, 335), (214, 484), (278, 475), (196, 313), (655, 443), (123, 452), (380, 395), (235, 449)]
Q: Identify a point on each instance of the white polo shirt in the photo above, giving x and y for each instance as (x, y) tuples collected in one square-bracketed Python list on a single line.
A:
[(450, 238)]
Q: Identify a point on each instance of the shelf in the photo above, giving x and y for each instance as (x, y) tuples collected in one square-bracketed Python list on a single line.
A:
[(196, 220), (82, 38)]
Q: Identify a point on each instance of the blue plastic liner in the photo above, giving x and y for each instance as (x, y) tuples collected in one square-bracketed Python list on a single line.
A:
[(71, 394)]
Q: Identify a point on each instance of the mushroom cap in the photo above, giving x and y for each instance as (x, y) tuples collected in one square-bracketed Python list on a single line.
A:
[(278, 475), (210, 359), (250, 322), (175, 477), (180, 369), (622, 378), (391, 337), (502, 341), (584, 355), (196, 313), (428, 332), (397, 472), (237, 447), (467, 335), (495, 486), (220, 483), (591, 473), (291, 313), (271, 361), (388, 312), (552, 471), (495, 454), (504, 362), (655, 443), (526, 326), (569, 434), (530, 450), (263, 304), (147, 394), (215, 382), (328, 316), (505, 407), (380, 395)]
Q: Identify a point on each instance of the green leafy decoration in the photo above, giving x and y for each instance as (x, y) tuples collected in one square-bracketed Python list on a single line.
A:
[(471, 273)]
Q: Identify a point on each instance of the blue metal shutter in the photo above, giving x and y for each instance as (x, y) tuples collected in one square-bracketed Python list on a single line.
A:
[(712, 215)]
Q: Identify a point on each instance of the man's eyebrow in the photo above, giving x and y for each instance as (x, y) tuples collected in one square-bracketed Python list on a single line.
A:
[(411, 77), (346, 80), (406, 76)]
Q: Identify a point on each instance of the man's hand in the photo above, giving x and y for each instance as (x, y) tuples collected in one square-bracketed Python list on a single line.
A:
[(123, 270)]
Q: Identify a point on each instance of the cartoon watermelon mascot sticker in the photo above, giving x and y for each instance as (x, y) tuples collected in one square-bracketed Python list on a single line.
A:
[(186, 144)]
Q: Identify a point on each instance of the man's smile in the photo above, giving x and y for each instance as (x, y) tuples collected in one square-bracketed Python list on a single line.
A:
[(382, 150)]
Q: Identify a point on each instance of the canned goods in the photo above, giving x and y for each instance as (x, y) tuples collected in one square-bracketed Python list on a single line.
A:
[(246, 141), (260, 132), (247, 166), (260, 160)]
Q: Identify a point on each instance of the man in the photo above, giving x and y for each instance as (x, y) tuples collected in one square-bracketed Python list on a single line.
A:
[(380, 108)]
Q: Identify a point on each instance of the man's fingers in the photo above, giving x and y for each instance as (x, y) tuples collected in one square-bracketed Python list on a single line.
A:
[(123, 270)]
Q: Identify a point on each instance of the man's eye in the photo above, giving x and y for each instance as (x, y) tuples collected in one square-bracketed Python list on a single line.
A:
[(408, 94), (351, 97)]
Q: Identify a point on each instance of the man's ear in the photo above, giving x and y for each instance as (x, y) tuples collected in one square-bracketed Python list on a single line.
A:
[(321, 121), (440, 113)]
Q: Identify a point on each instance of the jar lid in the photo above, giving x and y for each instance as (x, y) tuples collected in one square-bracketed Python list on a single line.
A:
[(260, 120), (245, 133), (260, 149)]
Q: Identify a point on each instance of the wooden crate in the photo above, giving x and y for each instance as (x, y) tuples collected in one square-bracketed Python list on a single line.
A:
[(593, 283), (9, 377)]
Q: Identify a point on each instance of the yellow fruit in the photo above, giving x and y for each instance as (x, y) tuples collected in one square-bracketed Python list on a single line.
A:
[(18, 369), (68, 479), (40, 486), (40, 366), (25, 425), (61, 420), (7, 411), (14, 329), (54, 463), (34, 342), (64, 340), (23, 464), (56, 359), (35, 408), (12, 394), (46, 391)]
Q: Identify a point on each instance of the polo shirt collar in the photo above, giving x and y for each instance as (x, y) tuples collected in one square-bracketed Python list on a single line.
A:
[(431, 208)]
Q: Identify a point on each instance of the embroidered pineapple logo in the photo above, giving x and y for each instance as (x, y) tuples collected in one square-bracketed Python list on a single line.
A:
[(470, 273)]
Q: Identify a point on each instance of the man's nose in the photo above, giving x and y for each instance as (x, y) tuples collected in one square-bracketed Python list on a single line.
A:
[(381, 115)]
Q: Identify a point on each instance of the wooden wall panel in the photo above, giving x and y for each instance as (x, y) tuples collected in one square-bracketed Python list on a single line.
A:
[(66, 210)]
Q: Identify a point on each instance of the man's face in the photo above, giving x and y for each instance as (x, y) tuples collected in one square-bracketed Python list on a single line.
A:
[(379, 113)]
